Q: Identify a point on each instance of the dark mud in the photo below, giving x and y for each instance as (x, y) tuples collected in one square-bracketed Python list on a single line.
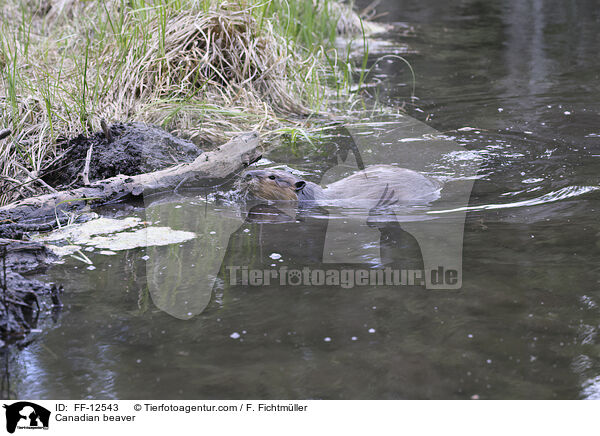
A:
[(131, 149), (24, 302), (24, 256)]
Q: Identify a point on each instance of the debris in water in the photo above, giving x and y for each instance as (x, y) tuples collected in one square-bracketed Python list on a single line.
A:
[(150, 236), (109, 234), (81, 233)]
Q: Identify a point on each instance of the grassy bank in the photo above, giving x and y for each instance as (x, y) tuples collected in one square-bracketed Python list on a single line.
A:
[(204, 69)]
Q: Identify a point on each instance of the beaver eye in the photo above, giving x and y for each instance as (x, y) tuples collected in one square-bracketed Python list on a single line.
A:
[(272, 177)]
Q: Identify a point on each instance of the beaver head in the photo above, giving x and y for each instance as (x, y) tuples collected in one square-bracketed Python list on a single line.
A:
[(273, 185)]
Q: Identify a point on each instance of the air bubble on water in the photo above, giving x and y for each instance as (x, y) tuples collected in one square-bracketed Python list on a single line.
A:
[(567, 112), (470, 336), (146, 257), (327, 339), (275, 256), (212, 233), (234, 335), (91, 267), (372, 330), (354, 338), (246, 230)]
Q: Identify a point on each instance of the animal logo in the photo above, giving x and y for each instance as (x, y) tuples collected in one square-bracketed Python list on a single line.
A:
[(26, 415)]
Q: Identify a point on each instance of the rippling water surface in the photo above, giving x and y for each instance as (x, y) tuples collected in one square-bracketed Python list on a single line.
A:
[(515, 86)]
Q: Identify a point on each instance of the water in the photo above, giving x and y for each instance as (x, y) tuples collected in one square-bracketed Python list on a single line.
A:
[(524, 77)]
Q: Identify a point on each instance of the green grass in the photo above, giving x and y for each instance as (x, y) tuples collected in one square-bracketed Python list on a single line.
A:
[(205, 69)]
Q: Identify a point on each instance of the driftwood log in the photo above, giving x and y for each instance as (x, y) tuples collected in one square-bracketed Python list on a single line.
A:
[(208, 168)]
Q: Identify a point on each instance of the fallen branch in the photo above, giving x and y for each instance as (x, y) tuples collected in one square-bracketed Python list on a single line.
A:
[(208, 168)]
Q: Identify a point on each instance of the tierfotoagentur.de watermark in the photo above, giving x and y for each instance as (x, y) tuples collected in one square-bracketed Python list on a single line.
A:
[(346, 278)]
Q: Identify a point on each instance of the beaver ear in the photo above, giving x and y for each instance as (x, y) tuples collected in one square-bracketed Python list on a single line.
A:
[(300, 185)]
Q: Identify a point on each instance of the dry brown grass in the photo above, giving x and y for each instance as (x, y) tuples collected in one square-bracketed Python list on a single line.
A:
[(204, 69)]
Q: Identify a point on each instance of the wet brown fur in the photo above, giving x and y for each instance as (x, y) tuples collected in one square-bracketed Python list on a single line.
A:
[(361, 188), (273, 185)]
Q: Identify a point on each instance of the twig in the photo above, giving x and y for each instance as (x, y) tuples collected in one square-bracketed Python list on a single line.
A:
[(86, 168), (46, 173), (106, 130), (366, 11), (19, 184), (34, 177)]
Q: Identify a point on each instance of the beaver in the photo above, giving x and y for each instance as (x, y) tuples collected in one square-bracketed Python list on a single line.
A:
[(361, 189)]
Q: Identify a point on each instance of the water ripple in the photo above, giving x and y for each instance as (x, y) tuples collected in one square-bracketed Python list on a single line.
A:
[(561, 194)]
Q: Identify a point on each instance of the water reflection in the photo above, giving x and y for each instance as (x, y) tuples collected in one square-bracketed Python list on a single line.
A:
[(524, 324)]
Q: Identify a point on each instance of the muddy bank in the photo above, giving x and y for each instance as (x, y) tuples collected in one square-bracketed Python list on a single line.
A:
[(24, 256), (207, 169), (130, 149), (123, 149), (24, 302)]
